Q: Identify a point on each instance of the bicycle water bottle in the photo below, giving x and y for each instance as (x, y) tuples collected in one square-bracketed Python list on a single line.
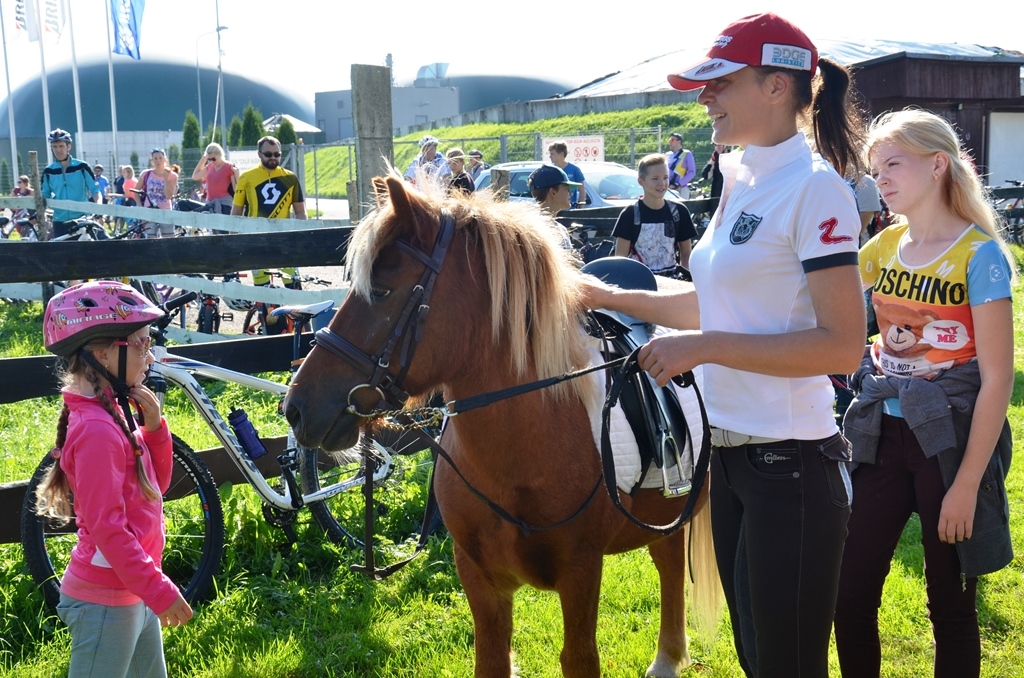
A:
[(246, 434)]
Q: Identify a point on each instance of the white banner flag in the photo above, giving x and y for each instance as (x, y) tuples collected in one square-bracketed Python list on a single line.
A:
[(25, 19), (54, 18)]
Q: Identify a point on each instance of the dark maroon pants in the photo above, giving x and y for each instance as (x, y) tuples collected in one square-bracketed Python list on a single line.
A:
[(902, 481)]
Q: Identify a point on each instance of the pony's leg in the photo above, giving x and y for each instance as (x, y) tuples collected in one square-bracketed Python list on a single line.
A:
[(492, 618), (669, 557), (579, 591)]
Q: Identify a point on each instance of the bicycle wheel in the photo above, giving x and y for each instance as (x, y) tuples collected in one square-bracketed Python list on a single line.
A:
[(207, 320), (400, 489), (252, 324), (193, 523)]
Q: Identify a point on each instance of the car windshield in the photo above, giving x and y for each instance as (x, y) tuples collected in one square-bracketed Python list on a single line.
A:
[(613, 183)]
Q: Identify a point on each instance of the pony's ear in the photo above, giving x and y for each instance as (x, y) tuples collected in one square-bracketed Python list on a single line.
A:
[(380, 191), (399, 198)]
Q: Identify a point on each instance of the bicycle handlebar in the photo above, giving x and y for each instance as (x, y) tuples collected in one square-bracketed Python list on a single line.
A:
[(170, 305)]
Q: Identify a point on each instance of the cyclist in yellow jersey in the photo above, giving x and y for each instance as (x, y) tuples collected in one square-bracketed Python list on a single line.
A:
[(269, 191)]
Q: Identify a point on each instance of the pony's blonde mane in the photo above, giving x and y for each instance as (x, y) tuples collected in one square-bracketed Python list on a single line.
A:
[(535, 303)]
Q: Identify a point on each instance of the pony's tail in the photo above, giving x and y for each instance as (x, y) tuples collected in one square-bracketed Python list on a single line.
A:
[(708, 597)]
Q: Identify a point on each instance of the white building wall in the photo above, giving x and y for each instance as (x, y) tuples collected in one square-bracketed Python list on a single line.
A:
[(98, 147), (1005, 148)]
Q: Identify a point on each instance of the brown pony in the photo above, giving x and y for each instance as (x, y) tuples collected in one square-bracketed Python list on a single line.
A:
[(503, 310)]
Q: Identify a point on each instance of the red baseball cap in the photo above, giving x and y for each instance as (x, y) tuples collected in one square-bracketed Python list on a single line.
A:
[(757, 40)]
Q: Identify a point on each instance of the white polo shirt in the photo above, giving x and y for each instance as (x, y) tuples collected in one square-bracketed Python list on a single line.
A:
[(785, 212)]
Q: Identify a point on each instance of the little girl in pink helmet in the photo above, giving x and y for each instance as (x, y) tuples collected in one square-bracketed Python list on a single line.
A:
[(114, 596)]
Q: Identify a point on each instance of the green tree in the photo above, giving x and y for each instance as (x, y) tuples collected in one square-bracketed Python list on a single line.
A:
[(252, 125), (235, 132), (134, 160), (173, 155), (190, 131), (286, 132), (6, 180), (212, 135)]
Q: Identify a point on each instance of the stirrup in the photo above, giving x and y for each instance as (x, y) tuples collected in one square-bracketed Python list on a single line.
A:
[(670, 453)]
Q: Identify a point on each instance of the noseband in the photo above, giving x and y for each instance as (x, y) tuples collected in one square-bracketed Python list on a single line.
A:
[(410, 326)]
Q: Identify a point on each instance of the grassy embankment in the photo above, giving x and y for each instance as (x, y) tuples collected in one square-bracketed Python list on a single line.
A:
[(332, 164)]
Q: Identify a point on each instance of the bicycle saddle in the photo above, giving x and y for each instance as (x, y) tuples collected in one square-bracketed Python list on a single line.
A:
[(310, 310)]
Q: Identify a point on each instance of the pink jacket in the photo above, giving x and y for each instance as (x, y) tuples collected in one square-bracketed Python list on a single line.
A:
[(120, 532)]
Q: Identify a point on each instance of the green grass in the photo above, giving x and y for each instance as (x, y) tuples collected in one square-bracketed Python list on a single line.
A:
[(295, 610), (332, 164)]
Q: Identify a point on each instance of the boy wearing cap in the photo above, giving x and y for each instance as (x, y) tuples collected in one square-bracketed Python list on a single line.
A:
[(681, 166), (651, 230), (101, 181), (476, 164), (558, 153), (550, 186), (460, 181)]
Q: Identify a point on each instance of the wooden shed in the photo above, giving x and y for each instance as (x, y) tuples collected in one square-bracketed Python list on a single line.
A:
[(966, 90)]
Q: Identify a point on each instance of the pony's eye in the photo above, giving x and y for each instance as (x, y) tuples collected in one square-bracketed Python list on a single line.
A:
[(378, 292)]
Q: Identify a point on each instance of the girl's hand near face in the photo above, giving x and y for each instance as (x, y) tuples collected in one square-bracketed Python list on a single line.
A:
[(148, 405)]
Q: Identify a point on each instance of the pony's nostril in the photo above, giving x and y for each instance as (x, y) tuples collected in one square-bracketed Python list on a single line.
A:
[(292, 412)]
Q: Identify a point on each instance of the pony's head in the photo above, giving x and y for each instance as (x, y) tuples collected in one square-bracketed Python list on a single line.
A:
[(502, 307)]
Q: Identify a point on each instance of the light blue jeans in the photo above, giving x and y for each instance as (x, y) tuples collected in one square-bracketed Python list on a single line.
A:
[(113, 641)]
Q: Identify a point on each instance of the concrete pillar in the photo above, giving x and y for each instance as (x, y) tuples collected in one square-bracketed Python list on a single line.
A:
[(372, 124), (501, 179)]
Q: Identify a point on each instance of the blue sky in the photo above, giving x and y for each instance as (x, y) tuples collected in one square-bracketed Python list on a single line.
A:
[(307, 46)]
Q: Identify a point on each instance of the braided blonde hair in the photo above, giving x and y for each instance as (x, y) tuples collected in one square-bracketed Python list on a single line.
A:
[(54, 496)]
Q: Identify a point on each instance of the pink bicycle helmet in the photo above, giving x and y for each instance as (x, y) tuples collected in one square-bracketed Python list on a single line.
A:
[(91, 310)]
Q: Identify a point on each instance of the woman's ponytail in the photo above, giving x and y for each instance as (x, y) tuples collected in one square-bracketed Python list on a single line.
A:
[(838, 126)]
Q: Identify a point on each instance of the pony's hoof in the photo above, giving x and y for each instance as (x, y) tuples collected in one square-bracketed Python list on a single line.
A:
[(663, 667)]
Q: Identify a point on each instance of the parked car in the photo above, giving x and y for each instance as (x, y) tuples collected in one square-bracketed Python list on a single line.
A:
[(608, 184)]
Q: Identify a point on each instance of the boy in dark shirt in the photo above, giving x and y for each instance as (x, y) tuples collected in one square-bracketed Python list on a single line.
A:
[(653, 229), (460, 180)]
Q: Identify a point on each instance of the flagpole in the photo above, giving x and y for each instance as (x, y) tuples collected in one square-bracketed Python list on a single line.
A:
[(220, 85), (74, 74), (46, 88), (10, 102), (110, 76)]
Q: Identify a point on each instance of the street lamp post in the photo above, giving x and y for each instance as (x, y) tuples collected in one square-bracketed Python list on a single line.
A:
[(220, 81), (199, 88)]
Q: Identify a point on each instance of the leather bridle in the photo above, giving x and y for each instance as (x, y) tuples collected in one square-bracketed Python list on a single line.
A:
[(406, 333)]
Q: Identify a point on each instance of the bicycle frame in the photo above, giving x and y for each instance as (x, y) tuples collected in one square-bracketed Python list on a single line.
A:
[(180, 371)]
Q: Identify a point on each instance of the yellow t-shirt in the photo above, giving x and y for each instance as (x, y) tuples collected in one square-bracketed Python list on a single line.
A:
[(268, 193), (924, 312)]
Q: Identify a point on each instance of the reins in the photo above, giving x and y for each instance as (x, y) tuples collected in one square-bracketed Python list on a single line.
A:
[(388, 388)]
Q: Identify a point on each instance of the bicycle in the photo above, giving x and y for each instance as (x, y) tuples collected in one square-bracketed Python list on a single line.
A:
[(196, 527), (260, 318), (18, 229)]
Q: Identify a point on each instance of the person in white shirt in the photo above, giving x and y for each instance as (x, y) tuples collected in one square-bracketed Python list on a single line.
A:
[(777, 299)]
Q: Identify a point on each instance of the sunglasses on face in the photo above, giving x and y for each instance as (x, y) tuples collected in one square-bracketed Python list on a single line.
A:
[(141, 344), (271, 155)]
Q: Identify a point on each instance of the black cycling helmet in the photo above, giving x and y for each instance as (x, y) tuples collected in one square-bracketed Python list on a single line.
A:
[(59, 135)]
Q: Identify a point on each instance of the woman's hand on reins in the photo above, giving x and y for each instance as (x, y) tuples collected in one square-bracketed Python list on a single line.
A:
[(671, 354)]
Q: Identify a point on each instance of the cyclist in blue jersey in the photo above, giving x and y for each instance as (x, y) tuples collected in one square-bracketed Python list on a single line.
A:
[(67, 179)]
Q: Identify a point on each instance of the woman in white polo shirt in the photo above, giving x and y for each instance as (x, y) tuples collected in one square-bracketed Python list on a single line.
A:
[(777, 298)]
